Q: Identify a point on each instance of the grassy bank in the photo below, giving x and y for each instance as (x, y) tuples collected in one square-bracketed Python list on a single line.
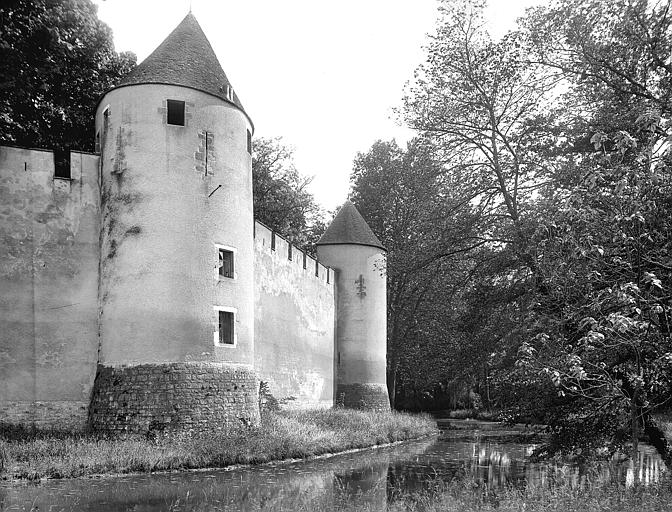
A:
[(283, 435)]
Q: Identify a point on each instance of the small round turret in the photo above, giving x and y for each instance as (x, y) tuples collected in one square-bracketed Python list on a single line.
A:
[(351, 248)]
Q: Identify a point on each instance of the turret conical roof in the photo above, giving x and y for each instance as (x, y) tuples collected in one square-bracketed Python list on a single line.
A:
[(349, 227), (185, 58)]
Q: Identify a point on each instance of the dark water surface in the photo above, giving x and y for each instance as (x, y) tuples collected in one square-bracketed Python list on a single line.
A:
[(468, 450)]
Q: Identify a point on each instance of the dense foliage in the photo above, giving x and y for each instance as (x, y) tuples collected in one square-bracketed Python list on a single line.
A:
[(281, 200), (56, 60), (534, 260)]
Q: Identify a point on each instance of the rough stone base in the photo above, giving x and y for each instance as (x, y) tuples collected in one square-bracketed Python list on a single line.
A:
[(363, 396), (45, 415), (199, 397)]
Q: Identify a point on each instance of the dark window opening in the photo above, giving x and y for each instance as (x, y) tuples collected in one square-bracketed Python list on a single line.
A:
[(226, 263), (272, 241), (304, 260), (327, 276), (175, 112), (97, 149), (289, 252), (225, 328), (249, 142), (62, 164), (317, 269)]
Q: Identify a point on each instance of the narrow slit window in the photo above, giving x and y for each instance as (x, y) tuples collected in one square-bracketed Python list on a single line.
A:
[(175, 112), (62, 164), (272, 241), (249, 142), (304, 260), (289, 252), (226, 263), (317, 269), (226, 328)]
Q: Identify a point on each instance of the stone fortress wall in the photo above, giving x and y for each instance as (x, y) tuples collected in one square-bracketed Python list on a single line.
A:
[(49, 314), (294, 299), (138, 294), (49, 254)]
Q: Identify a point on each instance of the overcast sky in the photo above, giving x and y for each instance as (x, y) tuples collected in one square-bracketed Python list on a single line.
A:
[(323, 75)]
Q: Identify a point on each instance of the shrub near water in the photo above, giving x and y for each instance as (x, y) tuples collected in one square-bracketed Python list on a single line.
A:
[(282, 435)]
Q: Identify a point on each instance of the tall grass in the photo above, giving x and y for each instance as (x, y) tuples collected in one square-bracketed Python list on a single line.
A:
[(281, 435)]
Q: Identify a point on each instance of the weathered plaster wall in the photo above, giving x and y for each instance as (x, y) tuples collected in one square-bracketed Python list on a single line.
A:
[(164, 209), (361, 331), (49, 229), (294, 323)]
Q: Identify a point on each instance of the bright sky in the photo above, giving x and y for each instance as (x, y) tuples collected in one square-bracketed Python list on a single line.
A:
[(323, 75)]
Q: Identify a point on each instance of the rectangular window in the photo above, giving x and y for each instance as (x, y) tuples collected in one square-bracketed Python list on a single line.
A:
[(304, 260), (226, 263), (249, 142), (226, 326), (289, 252), (273, 241), (62, 164), (175, 112)]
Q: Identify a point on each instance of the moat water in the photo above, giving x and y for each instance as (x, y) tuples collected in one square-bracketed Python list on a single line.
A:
[(474, 451)]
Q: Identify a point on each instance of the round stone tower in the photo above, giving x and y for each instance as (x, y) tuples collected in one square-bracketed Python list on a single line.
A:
[(350, 247), (176, 276)]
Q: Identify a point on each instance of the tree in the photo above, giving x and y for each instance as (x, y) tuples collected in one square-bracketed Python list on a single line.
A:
[(56, 60), (402, 194), (281, 200), (599, 332), (482, 110), (483, 107)]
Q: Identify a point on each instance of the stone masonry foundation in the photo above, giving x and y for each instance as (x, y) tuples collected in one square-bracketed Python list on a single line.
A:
[(363, 396), (150, 398)]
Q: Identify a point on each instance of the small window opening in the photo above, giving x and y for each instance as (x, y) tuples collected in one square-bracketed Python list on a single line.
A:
[(249, 142), (304, 261), (289, 252), (229, 93), (106, 114), (175, 112), (317, 269), (226, 263), (328, 272), (97, 149), (226, 328), (62, 163), (272, 241)]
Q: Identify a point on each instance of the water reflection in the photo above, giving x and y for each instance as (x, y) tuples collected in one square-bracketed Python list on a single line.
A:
[(368, 478)]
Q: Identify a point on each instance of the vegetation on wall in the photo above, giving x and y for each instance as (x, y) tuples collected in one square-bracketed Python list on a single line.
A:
[(532, 268), (56, 60)]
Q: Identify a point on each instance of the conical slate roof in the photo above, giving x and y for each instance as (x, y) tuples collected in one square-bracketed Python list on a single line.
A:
[(184, 58), (349, 227)]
